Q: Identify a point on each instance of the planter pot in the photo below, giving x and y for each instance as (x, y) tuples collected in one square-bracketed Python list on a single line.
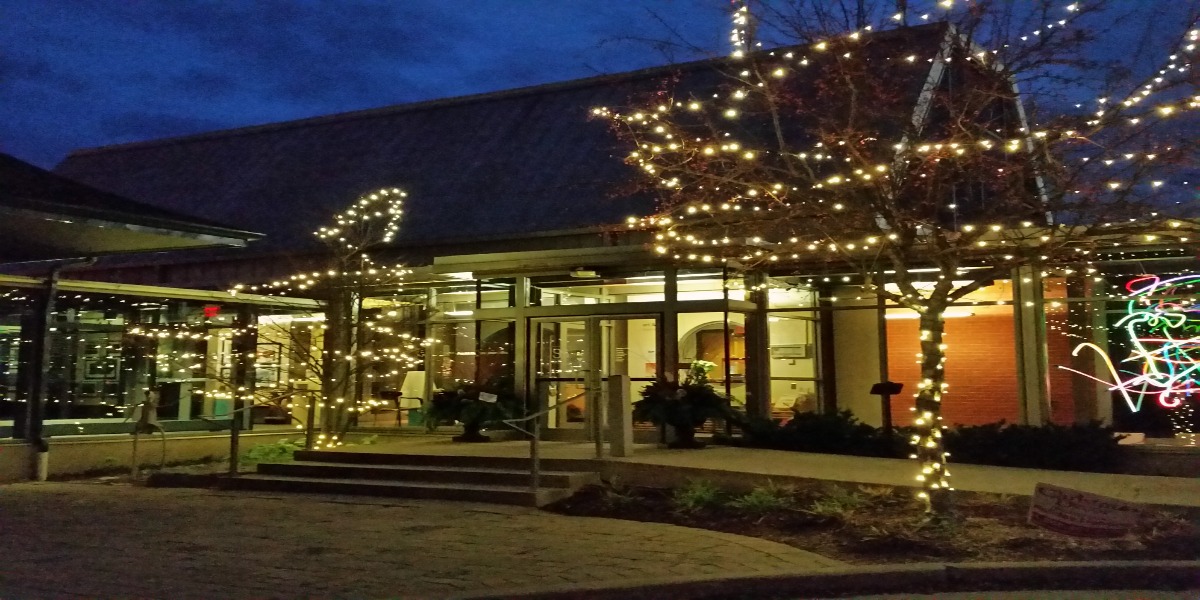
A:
[(471, 434), (685, 439)]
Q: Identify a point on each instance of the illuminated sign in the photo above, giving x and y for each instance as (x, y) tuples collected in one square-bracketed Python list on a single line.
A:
[(1162, 322)]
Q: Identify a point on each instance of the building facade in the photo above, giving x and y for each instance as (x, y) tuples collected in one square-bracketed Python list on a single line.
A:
[(521, 271)]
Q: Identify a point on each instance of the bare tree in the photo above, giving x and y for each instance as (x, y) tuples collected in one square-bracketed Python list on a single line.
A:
[(889, 150), (353, 347)]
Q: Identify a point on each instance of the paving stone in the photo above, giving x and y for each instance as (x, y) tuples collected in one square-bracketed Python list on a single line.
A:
[(71, 540)]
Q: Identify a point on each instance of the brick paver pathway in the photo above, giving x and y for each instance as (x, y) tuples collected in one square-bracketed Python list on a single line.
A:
[(93, 540)]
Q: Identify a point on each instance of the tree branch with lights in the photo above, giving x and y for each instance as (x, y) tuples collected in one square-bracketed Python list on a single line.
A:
[(354, 347)]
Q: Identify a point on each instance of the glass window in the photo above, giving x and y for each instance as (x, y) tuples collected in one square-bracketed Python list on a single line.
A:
[(455, 299), (591, 288), (704, 336), (789, 292), (496, 293), (710, 284), (1123, 349), (794, 368), (471, 352)]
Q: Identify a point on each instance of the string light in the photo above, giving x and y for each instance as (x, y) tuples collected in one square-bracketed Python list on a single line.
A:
[(741, 183), (1162, 323)]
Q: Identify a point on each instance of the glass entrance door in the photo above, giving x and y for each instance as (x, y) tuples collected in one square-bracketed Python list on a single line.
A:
[(573, 359)]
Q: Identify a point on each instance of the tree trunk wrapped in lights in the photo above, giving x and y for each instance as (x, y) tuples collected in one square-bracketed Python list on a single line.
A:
[(905, 156), (930, 450)]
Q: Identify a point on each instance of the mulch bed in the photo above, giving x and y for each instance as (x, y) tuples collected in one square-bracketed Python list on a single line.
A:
[(882, 524)]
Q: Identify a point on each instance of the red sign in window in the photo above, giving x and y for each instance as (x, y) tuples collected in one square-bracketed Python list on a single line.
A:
[(211, 311)]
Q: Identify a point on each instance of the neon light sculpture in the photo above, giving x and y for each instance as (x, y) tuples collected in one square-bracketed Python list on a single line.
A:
[(1163, 325)]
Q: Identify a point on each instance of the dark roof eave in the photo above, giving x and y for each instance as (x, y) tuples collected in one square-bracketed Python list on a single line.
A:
[(124, 219)]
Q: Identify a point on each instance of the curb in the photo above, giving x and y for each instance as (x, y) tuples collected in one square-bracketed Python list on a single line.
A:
[(892, 579)]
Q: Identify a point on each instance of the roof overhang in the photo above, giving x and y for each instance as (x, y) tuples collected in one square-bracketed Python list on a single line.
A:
[(32, 235), (44, 216)]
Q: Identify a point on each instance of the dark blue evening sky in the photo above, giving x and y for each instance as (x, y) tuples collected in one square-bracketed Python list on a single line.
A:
[(83, 73), (80, 73)]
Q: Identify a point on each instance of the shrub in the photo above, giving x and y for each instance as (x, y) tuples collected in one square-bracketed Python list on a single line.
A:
[(462, 403), (1091, 447), (834, 433), (697, 494), (616, 494), (281, 451), (837, 503), (764, 499)]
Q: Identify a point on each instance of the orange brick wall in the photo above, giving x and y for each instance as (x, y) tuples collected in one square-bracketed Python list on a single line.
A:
[(981, 368)]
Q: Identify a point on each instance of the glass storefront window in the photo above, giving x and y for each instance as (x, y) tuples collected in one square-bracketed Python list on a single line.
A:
[(710, 284), (704, 336), (455, 299), (288, 364), (1122, 349), (790, 293), (496, 293), (573, 360), (794, 367), (564, 290), (471, 352)]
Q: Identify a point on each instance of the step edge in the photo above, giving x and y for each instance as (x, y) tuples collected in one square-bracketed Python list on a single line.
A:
[(384, 483)]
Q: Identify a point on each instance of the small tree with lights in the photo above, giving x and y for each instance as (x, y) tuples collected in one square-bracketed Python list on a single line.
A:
[(353, 348), (885, 150)]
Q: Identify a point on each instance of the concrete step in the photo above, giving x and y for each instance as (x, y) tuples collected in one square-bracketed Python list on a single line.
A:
[(494, 494), (428, 473), (439, 460)]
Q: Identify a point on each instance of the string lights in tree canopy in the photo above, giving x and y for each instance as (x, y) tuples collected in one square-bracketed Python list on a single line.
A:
[(888, 150)]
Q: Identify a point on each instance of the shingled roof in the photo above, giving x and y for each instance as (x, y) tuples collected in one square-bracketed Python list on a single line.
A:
[(491, 166)]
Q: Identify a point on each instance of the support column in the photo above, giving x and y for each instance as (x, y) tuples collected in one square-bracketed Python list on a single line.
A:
[(1029, 320), (826, 359), (668, 331), (29, 423), (758, 349), (885, 400), (620, 417), (1097, 311), (1079, 318), (594, 385), (245, 349), (521, 343)]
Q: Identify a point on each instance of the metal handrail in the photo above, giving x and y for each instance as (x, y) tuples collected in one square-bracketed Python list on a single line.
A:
[(513, 422), (535, 458)]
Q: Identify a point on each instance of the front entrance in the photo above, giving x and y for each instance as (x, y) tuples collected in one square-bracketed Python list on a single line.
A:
[(572, 359)]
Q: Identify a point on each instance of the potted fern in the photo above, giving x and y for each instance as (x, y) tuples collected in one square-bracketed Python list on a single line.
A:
[(475, 406), (683, 406)]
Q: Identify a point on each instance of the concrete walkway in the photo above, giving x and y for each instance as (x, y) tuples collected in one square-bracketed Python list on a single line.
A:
[(94, 540), (1174, 491), (1041, 595)]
